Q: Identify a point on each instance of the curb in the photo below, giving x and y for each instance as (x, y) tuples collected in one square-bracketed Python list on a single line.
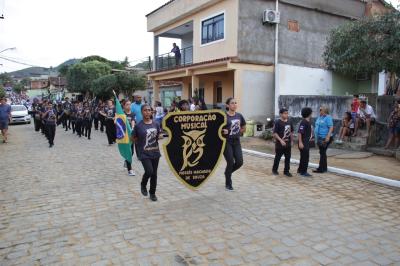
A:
[(373, 178)]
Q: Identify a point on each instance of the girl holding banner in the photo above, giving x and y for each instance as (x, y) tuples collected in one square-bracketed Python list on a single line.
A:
[(235, 126)]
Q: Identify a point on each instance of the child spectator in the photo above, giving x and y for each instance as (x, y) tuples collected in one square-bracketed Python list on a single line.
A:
[(304, 141), (347, 128), (283, 134), (354, 107)]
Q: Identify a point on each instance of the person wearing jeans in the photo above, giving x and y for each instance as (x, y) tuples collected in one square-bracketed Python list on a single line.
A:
[(323, 133), (235, 126), (146, 134)]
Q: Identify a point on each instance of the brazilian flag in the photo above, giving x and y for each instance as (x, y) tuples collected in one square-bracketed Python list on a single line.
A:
[(124, 132)]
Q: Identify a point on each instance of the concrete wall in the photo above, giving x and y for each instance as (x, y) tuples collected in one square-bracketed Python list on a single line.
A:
[(304, 80), (303, 48), (338, 105), (187, 40), (384, 106), (211, 51), (175, 11), (258, 96)]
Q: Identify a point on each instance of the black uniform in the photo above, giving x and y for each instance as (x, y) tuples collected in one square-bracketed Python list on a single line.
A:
[(87, 121), (67, 106), (284, 131), (79, 121), (233, 150), (110, 126), (50, 118), (305, 131)]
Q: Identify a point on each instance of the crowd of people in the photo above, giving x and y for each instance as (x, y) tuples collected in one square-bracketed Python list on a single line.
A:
[(79, 117)]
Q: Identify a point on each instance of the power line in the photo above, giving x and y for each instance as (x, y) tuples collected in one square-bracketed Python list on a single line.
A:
[(18, 62)]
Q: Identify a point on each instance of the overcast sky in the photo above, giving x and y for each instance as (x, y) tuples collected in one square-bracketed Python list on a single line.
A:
[(48, 32)]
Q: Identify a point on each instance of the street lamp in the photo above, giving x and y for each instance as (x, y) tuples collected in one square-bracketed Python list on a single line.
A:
[(11, 48)]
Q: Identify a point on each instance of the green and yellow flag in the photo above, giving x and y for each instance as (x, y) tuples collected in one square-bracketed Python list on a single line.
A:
[(124, 131)]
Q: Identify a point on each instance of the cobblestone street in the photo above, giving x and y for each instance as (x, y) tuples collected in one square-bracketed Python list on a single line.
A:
[(74, 204)]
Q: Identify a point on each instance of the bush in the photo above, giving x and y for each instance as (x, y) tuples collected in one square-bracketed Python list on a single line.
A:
[(267, 134), (2, 92)]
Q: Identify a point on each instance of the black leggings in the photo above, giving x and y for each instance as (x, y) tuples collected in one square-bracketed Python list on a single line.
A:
[(110, 131), (234, 159), (79, 127), (150, 172)]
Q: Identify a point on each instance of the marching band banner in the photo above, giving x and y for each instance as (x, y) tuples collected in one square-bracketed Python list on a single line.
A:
[(195, 144)]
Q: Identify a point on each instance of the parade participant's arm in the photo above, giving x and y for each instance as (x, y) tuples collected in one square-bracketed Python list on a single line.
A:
[(243, 123), (102, 113), (330, 125)]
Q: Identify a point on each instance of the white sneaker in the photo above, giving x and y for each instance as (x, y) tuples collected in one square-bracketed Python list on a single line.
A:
[(131, 173)]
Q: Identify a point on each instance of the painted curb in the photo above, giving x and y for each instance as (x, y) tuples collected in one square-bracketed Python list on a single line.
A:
[(373, 178)]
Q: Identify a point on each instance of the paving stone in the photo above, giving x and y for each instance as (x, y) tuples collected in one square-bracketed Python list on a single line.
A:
[(74, 208)]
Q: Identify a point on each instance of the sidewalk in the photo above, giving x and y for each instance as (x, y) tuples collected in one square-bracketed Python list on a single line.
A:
[(364, 162)]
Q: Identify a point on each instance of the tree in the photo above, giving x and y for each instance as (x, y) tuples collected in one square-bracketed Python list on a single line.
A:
[(103, 86), (81, 76), (63, 70), (370, 45), (26, 82), (18, 87), (112, 64), (6, 79), (2, 91), (129, 82)]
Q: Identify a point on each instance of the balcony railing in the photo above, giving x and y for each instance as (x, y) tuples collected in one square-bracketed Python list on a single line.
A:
[(169, 61)]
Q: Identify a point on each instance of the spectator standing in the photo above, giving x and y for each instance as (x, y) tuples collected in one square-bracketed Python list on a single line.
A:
[(177, 52), (323, 132), (5, 117), (394, 127)]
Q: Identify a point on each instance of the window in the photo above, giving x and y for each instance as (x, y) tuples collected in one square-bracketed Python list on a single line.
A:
[(293, 25), (201, 93), (212, 29)]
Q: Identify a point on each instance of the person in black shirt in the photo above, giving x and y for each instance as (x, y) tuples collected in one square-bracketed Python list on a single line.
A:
[(130, 118), (304, 134), (87, 120), (145, 135), (283, 134), (50, 116), (67, 113), (79, 120), (73, 115), (36, 113), (235, 126), (109, 113), (177, 53)]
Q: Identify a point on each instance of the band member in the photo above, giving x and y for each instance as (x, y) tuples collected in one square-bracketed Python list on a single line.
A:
[(73, 115), (79, 120), (145, 135), (36, 114), (130, 118), (60, 113), (96, 115), (87, 120), (109, 113), (235, 126), (50, 117), (67, 114)]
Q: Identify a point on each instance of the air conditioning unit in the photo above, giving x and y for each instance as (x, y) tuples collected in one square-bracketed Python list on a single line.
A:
[(271, 16)]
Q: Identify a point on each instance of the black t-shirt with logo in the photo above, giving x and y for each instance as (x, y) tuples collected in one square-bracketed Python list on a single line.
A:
[(110, 112), (147, 140), (234, 124), (284, 131), (305, 131), (50, 117)]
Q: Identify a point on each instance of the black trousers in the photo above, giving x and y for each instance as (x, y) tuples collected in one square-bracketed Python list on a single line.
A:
[(96, 123), (110, 131), (279, 151), (87, 125), (234, 159), (128, 164), (66, 122), (73, 123), (304, 159), (42, 126), (79, 127), (102, 123), (51, 133), (150, 172), (37, 124), (323, 159)]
